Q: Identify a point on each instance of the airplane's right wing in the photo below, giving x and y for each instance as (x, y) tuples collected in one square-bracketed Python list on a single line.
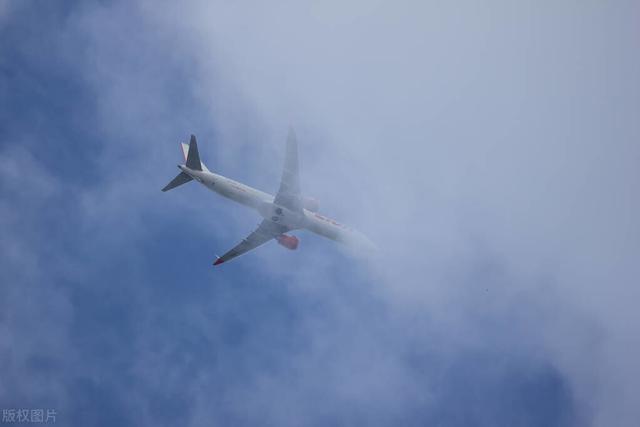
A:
[(266, 231), (289, 192)]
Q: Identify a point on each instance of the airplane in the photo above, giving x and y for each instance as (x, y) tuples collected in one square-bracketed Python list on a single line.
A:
[(288, 210)]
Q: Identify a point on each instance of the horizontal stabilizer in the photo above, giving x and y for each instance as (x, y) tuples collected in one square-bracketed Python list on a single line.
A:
[(182, 178)]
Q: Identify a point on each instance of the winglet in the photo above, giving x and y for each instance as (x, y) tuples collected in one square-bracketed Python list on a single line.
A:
[(218, 261)]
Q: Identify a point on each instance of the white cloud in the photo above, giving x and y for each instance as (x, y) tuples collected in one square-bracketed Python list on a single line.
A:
[(438, 128), (489, 149)]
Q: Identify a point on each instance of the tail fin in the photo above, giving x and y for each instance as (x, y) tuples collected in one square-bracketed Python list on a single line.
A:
[(192, 161), (190, 151), (193, 157), (182, 178)]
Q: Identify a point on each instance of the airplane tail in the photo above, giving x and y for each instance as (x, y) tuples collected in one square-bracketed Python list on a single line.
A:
[(182, 178), (193, 157), (192, 161)]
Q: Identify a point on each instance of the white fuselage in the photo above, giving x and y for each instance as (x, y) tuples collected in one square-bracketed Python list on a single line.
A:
[(264, 204)]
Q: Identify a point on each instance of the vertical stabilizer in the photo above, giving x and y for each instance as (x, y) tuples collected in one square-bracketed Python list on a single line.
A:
[(193, 157), (185, 152)]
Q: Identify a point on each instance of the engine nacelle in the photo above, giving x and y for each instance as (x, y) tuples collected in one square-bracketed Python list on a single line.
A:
[(310, 204), (289, 242)]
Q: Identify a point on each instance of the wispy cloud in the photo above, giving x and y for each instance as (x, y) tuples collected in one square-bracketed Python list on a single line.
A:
[(488, 150)]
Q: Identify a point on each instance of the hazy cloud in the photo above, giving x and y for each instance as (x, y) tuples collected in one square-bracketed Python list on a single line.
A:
[(489, 149)]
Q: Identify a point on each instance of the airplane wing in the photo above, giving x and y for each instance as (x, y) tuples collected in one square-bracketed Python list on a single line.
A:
[(289, 192), (266, 231)]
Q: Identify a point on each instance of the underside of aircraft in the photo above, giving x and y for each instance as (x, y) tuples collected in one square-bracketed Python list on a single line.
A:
[(286, 211)]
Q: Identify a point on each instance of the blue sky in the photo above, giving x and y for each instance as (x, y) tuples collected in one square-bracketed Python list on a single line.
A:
[(490, 150)]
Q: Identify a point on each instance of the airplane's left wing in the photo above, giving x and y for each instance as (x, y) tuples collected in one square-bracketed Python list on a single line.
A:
[(266, 231)]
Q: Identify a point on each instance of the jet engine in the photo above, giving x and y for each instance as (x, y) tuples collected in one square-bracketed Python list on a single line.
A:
[(289, 242), (310, 204)]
